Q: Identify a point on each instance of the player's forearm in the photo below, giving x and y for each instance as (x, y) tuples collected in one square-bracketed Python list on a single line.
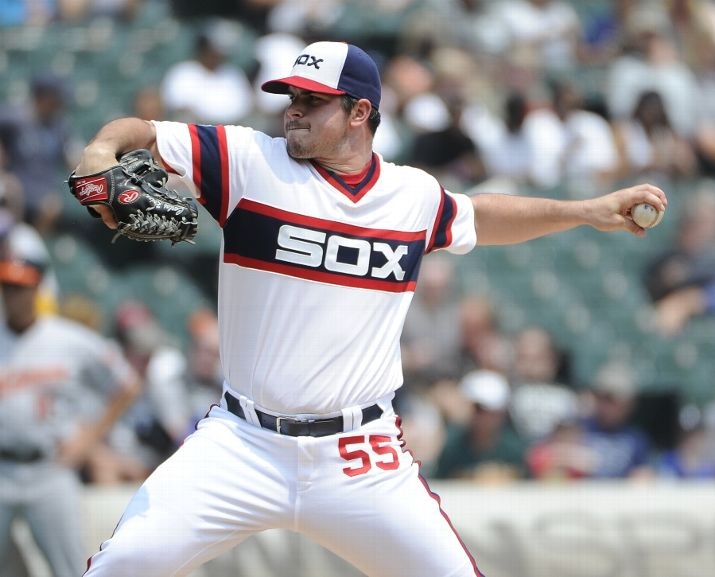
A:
[(113, 139), (115, 407), (75, 449), (509, 219)]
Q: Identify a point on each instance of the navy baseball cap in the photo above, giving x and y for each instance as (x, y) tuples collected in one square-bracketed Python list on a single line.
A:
[(332, 68)]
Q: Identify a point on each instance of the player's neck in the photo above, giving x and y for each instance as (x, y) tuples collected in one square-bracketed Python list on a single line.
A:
[(349, 167), (353, 178)]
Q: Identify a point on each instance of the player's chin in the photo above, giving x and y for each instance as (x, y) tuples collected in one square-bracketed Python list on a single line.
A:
[(299, 150)]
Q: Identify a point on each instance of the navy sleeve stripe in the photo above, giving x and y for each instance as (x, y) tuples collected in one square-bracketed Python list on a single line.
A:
[(442, 232), (210, 168)]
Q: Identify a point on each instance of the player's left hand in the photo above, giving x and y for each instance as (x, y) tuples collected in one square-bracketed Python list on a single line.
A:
[(611, 212), (135, 191)]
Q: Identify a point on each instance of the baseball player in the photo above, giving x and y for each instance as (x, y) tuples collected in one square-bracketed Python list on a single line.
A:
[(62, 387), (322, 242)]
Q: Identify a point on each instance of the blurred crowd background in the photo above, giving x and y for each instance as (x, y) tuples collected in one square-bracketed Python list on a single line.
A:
[(577, 356)]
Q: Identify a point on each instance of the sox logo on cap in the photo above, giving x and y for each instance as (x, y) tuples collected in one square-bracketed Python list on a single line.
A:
[(308, 60)]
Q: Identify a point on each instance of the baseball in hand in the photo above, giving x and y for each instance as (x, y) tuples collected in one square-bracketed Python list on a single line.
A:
[(646, 215)]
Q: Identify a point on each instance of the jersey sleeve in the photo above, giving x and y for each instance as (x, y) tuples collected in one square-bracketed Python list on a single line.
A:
[(208, 156), (106, 369), (453, 226)]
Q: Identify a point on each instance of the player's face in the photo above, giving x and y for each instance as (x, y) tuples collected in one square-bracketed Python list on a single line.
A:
[(316, 125), (19, 303)]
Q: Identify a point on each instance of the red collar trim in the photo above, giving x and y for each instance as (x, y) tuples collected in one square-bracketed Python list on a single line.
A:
[(354, 186)]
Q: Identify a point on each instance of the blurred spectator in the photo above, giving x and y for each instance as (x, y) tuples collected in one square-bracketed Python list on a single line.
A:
[(693, 26), (694, 455), (203, 369), (562, 455), (156, 423), (649, 144), (309, 18), (681, 280), (79, 10), (55, 408), (430, 338), (486, 449), (605, 33), (28, 13), (540, 399), (82, 310), (622, 450), (376, 23), (423, 422), (254, 13), (209, 88), (483, 345), (162, 365), (467, 23), (406, 77), (445, 396), (651, 63), (41, 149), (503, 142), (545, 31), (569, 144), (13, 13), (270, 51), (704, 137), (8, 216), (448, 152), (148, 103), (12, 197)]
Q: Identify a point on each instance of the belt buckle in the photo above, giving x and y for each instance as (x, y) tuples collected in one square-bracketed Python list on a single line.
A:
[(292, 420)]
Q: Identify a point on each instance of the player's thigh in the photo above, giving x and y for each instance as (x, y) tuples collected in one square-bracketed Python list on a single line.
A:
[(382, 517), (55, 522), (206, 498)]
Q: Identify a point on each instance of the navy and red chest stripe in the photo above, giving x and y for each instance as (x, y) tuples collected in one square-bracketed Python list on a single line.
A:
[(266, 238)]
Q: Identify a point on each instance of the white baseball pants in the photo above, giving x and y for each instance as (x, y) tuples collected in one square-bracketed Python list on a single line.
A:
[(356, 493)]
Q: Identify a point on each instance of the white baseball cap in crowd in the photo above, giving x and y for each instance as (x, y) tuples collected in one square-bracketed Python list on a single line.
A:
[(489, 389), (615, 379), (332, 68)]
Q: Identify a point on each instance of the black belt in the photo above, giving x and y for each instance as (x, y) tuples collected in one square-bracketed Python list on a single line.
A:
[(17, 456), (301, 427)]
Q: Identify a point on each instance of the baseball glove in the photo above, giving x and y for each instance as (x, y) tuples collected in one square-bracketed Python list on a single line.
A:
[(136, 193)]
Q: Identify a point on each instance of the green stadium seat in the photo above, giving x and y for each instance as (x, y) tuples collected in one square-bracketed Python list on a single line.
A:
[(170, 294)]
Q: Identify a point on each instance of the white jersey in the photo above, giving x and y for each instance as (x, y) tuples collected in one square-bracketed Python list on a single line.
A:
[(53, 377), (316, 275)]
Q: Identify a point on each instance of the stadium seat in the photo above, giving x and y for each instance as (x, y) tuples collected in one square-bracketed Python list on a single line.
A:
[(170, 294)]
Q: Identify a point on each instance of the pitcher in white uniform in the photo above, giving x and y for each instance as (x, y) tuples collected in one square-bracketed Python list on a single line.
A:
[(322, 243)]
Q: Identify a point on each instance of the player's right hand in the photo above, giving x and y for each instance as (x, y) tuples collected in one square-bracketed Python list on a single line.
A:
[(612, 211)]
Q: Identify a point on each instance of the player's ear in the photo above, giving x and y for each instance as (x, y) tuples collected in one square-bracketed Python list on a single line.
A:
[(361, 111)]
